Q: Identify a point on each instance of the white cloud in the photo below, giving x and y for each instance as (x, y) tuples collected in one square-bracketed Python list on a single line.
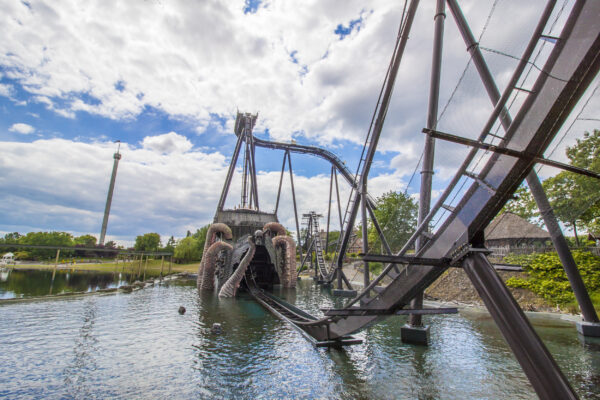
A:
[(196, 60), (23, 129), (5, 90), (155, 191), (167, 143)]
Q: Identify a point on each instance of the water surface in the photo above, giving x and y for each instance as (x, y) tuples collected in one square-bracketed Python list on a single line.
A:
[(137, 346)]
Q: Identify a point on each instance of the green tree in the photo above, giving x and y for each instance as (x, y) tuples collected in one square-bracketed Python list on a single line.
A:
[(85, 240), (200, 236), (397, 215), (170, 246), (188, 250), (147, 242), (575, 198), (523, 205), (47, 239)]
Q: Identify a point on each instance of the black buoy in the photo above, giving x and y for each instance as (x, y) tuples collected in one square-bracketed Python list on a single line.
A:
[(181, 310), (216, 329)]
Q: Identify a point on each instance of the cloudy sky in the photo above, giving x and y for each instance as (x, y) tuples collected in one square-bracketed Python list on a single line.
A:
[(166, 78)]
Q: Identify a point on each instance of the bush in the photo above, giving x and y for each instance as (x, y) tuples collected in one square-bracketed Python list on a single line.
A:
[(375, 268), (547, 277), (22, 255)]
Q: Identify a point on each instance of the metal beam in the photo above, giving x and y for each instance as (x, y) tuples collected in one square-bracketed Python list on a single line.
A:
[(413, 260), (429, 150), (566, 258), (537, 191), (344, 312), (329, 209), (510, 152), (280, 183), (535, 359), (294, 202), (230, 172), (378, 125)]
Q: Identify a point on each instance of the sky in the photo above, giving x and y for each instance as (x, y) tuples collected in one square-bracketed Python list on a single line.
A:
[(166, 79)]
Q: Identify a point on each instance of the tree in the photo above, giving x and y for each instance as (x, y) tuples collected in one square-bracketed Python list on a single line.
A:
[(187, 250), (170, 246), (200, 236), (85, 240), (523, 205), (575, 198), (147, 242), (47, 239), (397, 215)]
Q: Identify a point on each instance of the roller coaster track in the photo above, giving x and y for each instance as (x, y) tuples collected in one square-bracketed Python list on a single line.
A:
[(569, 69)]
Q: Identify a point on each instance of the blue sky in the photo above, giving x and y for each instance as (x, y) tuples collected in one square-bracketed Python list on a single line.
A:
[(167, 78)]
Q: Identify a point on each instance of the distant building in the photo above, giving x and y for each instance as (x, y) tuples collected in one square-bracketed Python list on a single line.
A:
[(508, 232)]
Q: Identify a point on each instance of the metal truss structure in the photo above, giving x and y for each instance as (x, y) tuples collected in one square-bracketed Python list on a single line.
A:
[(458, 241)]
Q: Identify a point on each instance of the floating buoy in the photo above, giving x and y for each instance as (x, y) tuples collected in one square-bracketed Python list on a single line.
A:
[(181, 310), (216, 329)]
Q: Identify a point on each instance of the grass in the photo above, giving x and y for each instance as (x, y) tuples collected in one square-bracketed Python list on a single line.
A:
[(154, 267)]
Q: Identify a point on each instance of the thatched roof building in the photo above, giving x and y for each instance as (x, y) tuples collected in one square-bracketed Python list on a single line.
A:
[(510, 230)]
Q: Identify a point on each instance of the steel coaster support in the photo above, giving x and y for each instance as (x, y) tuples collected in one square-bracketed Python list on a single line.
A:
[(231, 170), (294, 202), (280, 183), (535, 359), (377, 128), (415, 320), (558, 239), (244, 199), (562, 248), (250, 138), (339, 203), (365, 234), (500, 107), (329, 210)]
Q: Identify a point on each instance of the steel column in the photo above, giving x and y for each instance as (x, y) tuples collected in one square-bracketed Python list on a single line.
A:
[(294, 201), (535, 359), (329, 210), (562, 248), (429, 151), (339, 203), (535, 186), (378, 125), (280, 183), (232, 164), (365, 235), (253, 170)]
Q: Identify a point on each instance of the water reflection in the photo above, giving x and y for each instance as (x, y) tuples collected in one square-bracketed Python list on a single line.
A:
[(83, 364), (138, 346), (31, 283)]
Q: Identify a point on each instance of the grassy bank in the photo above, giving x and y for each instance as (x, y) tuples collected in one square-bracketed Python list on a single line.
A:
[(153, 267)]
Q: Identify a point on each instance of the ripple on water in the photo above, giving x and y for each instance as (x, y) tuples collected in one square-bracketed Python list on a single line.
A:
[(137, 345)]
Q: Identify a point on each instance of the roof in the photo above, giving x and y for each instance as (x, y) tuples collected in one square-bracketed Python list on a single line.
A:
[(511, 226)]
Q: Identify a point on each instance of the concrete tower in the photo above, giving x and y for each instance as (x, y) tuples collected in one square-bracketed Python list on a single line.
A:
[(117, 157)]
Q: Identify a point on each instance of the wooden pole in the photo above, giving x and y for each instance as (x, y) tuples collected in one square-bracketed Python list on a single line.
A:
[(145, 266), (139, 271), (162, 264)]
